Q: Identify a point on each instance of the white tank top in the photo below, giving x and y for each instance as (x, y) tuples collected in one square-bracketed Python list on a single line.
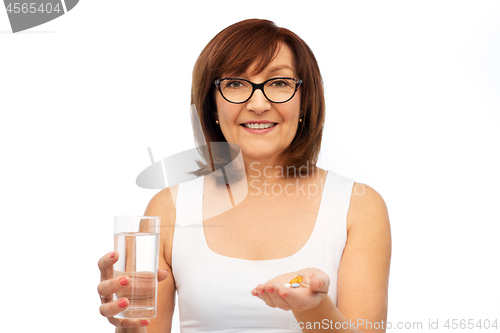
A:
[(214, 291)]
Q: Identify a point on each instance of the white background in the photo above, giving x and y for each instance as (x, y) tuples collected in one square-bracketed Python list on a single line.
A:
[(413, 106)]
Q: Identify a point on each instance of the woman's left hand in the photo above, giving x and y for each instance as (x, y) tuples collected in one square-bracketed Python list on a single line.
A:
[(312, 290)]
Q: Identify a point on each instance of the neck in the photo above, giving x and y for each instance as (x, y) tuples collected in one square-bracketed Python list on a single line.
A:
[(268, 170), (274, 171)]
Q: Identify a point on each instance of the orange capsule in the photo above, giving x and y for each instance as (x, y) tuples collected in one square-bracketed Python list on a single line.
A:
[(298, 279)]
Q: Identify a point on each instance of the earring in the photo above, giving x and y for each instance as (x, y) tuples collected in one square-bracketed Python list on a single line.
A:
[(300, 120), (217, 122)]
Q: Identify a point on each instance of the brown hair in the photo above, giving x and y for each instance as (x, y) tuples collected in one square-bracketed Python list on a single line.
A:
[(234, 50)]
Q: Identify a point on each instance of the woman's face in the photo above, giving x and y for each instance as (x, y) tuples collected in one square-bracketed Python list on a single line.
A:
[(261, 145)]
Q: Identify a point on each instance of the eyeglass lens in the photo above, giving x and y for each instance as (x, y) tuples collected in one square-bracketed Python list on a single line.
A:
[(278, 90)]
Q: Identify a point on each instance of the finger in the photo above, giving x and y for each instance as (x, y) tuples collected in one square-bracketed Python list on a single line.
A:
[(106, 265), (319, 283), (125, 323), (315, 279), (111, 309), (264, 295), (315, 284), (260, 290), (162, 274), (272, 291), (109, 287)]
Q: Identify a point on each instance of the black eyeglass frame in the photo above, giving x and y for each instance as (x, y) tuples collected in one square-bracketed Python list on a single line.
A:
[(256, 86)]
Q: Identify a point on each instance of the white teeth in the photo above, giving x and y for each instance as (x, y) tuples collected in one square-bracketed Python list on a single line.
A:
[(259, 125)]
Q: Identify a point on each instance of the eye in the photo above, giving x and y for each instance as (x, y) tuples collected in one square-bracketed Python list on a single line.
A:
[(234, 84), (280, 83)]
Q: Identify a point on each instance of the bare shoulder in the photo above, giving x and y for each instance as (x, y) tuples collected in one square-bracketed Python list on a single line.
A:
[(367, 207), (163, 205), (164, 202)]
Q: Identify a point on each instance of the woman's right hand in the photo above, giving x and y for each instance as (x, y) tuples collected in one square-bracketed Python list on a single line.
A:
[(110, 285)]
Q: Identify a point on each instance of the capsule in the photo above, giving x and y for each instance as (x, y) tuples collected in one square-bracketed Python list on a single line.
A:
[(295, 285), (298, 279)]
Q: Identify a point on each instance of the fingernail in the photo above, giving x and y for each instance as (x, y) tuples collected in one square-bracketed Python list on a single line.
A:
[(122, 303), (124, 281), (270, 290), (112, 255), (144, 322), (261, 292), (284, 295)]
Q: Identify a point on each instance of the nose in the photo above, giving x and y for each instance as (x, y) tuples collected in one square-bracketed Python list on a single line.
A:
[(258, 103)]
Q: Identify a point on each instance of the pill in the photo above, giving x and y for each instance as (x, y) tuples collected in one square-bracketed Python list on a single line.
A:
[(298, 279), (295, 285), (287, 285)]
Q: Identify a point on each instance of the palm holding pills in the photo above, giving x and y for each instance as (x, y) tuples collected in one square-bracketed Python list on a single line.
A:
[(282, 292)]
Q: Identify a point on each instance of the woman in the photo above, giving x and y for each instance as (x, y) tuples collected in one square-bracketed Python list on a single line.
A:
[(296, 219)]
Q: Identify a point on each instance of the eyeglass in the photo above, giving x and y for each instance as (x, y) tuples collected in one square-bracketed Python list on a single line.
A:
[(276, 90)]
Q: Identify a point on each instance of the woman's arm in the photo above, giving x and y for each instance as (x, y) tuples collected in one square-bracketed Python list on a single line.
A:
[(364, 270), (163, 205)]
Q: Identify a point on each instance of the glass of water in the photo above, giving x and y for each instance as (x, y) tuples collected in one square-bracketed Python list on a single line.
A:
[(137, 244)]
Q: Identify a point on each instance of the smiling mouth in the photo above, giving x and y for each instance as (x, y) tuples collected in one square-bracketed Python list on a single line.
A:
[(259, 125)]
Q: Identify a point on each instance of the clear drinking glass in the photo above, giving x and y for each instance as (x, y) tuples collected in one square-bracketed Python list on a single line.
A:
[(137, 244)]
